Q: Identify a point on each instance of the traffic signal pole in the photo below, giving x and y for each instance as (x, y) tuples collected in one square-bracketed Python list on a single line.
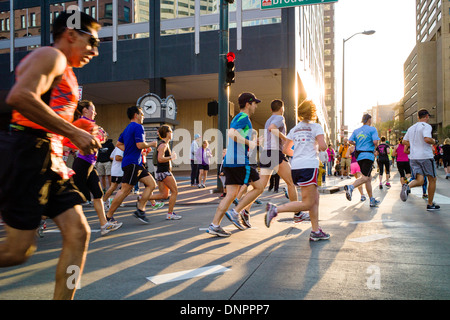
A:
[(223, 88)]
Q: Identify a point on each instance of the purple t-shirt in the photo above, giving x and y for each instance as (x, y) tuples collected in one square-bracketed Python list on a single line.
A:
[(91, 158)]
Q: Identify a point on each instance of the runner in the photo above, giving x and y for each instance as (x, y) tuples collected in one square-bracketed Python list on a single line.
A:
[(237, 169), (132, 141), (401, 153), (421, 158), (43, 99), (166, 180), (307, 137), (86, 177), (272, 157), (355, 169), (116, 174), (365, 140), (383, 151)]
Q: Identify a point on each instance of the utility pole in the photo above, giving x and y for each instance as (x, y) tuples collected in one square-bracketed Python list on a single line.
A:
[(223, 88)]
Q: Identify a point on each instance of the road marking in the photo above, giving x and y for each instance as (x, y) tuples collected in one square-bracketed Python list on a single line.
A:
[(370, 238), (59, 231), (370, 221), (187, 274), (438, 198)]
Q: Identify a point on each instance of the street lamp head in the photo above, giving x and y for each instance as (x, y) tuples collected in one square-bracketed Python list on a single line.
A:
[(368, 33)]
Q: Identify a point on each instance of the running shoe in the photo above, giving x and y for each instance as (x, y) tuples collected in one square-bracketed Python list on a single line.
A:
[(236, 202), (109, 226), (157, 205), (271, 212), (233, 216), (433, 207), (425, 196), (173, 216), (348, 191), (404, 193), (140, 215), (245, 217), (374, 202), (363, 198), (217, 231), (301, 216), (319, 235), (257, 201), (381, 186), (388, 185)]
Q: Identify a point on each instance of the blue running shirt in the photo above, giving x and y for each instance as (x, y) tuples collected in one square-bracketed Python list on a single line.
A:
[(237, 153), (364, 138), (132, 134)]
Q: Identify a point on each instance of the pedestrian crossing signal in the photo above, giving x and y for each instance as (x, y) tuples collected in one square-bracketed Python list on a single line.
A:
[(230, 74)]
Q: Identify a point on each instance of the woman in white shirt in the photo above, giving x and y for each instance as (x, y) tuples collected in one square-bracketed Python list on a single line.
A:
[(307, 137)]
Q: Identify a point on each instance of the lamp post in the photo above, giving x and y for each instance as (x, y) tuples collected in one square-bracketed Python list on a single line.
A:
[(367, 33)]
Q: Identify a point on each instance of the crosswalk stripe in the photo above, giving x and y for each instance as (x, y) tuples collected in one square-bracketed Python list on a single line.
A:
[(187, 274)]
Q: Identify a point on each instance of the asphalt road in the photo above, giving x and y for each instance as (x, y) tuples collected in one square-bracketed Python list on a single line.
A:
[(398, 251)]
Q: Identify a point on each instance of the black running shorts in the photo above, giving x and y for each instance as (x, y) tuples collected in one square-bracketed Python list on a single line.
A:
[(29, 189), (240, 175), (132, 173)]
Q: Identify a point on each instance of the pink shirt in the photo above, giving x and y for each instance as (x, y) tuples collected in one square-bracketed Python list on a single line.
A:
[(401, 155)]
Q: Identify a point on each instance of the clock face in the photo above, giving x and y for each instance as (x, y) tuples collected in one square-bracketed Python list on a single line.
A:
[(150, 104), (171, 107)]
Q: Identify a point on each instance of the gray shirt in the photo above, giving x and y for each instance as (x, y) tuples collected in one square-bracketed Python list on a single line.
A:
[(271, 141)]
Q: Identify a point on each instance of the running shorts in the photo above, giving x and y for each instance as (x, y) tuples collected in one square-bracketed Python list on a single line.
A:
[(305, 177), (132, 173), (403, 168), (425, 167), (271, 159), (29, 189), (366, 166), (240, 175)]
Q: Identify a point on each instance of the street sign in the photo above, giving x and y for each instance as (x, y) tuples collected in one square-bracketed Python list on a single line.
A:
[(272, 4)]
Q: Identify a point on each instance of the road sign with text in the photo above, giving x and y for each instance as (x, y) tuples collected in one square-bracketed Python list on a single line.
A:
[(273, 4)]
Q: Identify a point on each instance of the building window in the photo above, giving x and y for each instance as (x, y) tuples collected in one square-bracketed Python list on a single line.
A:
[(108, 10), (126, 14), (33, 19)]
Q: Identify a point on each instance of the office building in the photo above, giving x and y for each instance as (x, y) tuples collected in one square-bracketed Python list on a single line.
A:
[(171, 48), (427, 69)]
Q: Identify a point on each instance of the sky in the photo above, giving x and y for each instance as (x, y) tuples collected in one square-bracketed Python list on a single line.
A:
[(373, 63)]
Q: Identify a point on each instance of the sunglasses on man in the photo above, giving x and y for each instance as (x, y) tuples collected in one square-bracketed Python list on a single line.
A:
[(93, 41)]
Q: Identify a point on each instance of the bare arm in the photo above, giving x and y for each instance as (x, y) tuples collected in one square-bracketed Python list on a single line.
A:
[(35, 76), (274, 130), (236, 136), (145, 145), (320, 139)]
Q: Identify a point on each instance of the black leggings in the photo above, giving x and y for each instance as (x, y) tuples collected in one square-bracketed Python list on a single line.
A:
[(86, 179), (382, 165)]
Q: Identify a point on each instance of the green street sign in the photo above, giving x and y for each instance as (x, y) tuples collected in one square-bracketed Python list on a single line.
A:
[(273, 4)]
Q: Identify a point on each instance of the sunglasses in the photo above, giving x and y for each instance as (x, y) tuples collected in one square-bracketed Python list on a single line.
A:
[(93, 41)]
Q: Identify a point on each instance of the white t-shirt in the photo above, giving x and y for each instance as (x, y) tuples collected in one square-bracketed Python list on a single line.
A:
[(419, 149), (306, 150), (116, 167)]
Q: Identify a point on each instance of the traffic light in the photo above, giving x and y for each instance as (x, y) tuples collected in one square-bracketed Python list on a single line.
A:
[(230, 68)]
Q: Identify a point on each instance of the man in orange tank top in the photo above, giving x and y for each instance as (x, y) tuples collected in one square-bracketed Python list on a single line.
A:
[(35, 180)]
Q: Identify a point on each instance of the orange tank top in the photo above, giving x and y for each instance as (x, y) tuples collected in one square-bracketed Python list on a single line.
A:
[(63, 101)]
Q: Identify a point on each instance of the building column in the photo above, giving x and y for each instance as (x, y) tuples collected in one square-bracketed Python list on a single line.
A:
[(157, 85)]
